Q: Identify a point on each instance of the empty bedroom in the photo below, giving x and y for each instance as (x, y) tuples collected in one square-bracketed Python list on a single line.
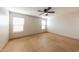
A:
[(39, 29)]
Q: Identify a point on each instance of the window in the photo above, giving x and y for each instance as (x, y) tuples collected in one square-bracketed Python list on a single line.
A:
[(43, 24), (18, 24)]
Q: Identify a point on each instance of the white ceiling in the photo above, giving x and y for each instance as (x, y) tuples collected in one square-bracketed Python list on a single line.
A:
[(28, 10), (34, 10)]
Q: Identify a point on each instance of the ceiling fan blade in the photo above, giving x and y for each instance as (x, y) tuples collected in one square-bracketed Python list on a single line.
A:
[(51, 12), (49, 8), (40, 11)]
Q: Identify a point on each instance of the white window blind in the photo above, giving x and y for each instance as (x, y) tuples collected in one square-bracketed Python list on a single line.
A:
[(18, 24), (43, 24)]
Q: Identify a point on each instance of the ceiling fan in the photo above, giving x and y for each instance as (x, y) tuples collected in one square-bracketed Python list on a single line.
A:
[(46, 11)]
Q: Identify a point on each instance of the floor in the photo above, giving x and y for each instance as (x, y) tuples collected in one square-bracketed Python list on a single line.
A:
[(45, 42)]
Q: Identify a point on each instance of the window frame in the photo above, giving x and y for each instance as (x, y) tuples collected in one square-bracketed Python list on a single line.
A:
[(18, 25), (43, 24)]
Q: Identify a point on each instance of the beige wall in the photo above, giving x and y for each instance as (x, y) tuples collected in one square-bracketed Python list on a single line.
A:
[(4, 26), (32, 25), (65, 22)]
